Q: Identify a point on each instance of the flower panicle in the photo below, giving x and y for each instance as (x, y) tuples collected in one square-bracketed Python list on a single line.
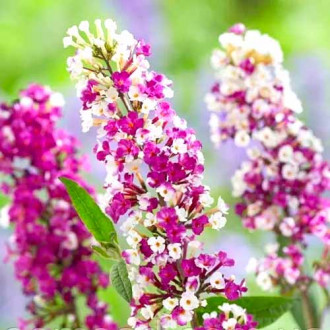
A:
[(49, 245), (281, 184), (154, 177)]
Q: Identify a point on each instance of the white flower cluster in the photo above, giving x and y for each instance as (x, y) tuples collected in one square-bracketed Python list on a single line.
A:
[(234, 316), (251, 82), (88, 65)]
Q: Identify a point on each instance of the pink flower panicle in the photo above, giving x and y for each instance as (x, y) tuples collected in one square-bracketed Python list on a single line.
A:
[(281, 185), (49, 244), (154, 177)]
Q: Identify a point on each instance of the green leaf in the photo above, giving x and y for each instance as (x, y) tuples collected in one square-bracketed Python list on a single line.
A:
[(265, 310), (100, 226), (112, 252), (120, 280), (4, 200)]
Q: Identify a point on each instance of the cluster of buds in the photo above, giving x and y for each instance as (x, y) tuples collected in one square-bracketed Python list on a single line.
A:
[(154, 177), (230, 317), (282, 182), (53, 261)]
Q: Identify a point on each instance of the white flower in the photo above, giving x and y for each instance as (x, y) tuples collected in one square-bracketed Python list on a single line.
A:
[(217, 221), (174, 250), (144, 201), (135, 94), (226, 309), (71, 241), (271, 248), (291, 101), (132, 322), (239, 312), (181, 213), (150, 220), (242, 139), (285, 154), (254, 208), (167, 322), (56, 100), (170, 303), (86, 120), (230, 40), (179, 122), (111, 95), (148, 105), (264, 281), (230, 324), (133, 166), (189, 301), (84, 26), (265, 222), (218, 59), (211, 315), (194, 247), (4, 217), (290, 171), (267, 137), (137, 291), (204, 303), (157, 244), (222, 206), (179, 146), (166, 191), (133, 256), (217, 281), (287, 226), (238, 183), (205, 199), (133, 238), (291, 275), (147, 312)]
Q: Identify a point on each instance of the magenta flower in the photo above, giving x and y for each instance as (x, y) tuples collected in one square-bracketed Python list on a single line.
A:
[(49, 245), (121, 81)]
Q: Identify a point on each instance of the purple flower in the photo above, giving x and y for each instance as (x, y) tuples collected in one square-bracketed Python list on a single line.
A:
[(121, 81)]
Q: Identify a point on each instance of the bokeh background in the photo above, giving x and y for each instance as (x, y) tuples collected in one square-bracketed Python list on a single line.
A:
[(183, 34)]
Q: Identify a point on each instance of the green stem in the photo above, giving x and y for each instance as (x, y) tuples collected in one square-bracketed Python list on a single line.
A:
[(194, 321), (308, 311)]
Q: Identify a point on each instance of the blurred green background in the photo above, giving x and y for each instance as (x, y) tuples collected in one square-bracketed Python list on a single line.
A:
[(183, 34)]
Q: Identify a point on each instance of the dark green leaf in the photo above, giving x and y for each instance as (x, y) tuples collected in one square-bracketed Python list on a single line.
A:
[(100, 226), (120, 280), (265, 310)]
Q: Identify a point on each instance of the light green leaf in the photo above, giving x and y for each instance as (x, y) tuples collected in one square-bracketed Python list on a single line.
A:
[(120, 280), (4, 200), (100, 226), (265, 310), (111, 252)]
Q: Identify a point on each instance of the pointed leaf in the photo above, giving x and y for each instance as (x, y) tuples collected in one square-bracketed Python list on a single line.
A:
[(100, 226), (120, 280), (265, 310)]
